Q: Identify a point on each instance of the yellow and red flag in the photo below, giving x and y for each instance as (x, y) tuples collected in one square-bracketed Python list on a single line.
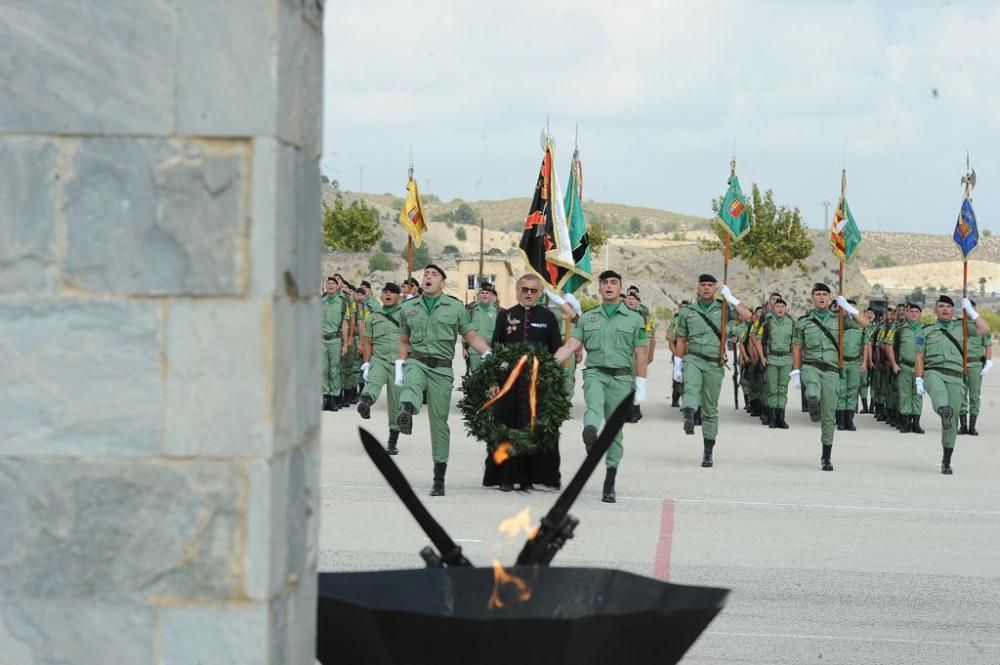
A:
[(412, 215)]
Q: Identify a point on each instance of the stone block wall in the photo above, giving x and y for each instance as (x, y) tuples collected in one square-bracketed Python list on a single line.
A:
[(160, 253)]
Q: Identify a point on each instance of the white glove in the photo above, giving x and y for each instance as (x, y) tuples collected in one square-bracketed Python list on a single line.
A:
[(678, 369), (846, 306), (364, 371), (796, 381), (920, 385), (555, 297), (486, 354), (967, 306), (574, 303), (399, 371), (640, 390), (986, 368), (728, 295)]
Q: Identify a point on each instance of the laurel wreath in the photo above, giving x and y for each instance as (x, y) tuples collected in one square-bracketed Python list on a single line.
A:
[(553, 404)]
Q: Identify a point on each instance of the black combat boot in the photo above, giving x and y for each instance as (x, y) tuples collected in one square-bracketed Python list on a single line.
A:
[(814, 414), (405, 419), (365, 407), (390, 447), (849, 421), (506, 476), (765, 415), (706, 458), (915, 425), (755, 408), (697, 416), (841, 426), (864, 405), (772, 418), (589, 437), (946, 415), (904, 423), (946, 461), (963, 427), (633, 415), (675, 394), (878, 411), (780, 415), (608, 495), (328, 402), (972, 425), (338, 401), (437, 487), (825, 460), (688, 420)]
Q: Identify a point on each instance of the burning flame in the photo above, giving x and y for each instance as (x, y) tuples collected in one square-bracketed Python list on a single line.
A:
[(521, 522), (502, 452), (507, 587)]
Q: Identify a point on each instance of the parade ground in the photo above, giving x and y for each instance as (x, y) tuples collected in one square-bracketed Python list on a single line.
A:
[(884, 560)]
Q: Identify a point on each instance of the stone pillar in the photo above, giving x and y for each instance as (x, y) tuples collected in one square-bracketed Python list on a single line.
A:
[(160, 250)]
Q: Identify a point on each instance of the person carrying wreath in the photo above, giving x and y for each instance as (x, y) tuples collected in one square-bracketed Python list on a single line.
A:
[(527, 322)]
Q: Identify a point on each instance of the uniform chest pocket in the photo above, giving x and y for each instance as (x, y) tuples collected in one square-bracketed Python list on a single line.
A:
[(418, 328), (592, 335), (813, 337), (625, 333), (443, 327)]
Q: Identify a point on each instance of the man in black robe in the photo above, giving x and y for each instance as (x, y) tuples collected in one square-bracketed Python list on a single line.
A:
[(526, 322)]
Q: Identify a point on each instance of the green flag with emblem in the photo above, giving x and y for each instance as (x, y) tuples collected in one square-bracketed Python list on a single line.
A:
[(734, 211)]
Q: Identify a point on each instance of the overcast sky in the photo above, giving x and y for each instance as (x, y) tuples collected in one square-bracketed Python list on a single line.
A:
[(663, 92)]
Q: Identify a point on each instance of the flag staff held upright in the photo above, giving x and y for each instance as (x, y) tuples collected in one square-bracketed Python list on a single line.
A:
[(412, 217), (840, 312), (725, 278), (968, 182), (409, 238)]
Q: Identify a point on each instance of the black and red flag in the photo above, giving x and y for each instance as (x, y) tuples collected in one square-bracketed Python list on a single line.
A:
[(545, 242)]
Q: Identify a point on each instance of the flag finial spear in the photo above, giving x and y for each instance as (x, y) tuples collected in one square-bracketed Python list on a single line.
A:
[(576, 137), (409, 171), (732, 165), (969, 179), (843, 182)]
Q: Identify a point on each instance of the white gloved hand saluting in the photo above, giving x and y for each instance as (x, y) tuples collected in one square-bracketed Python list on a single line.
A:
[(919, 381), (574, 303), (967, 306), (728, 295), (678, 369), (986, 368), (796, 381), (640, 390), (399, 371), (554, 297), (486, 354), (364, 371), (846, 306)]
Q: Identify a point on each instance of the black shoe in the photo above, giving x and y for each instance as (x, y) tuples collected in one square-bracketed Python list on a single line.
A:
[(526, 487), (589, 437), (633, 415), (506, 487), (972, 426), (879, 413), (405, 419), (814, 414), (850, 422), (365, 407), (772, 419), (915, 425), (328, 402), (904, 423), (437, 487), (946, 415), (697, 416), (946, 461), (765, 415), (335, 403), (841, 426), (864, 406), (675, 395), (608, 495), (780, 414), (963, 426), (688, 420), (825, 460), (755, 408), (706, 457), (390, 447)]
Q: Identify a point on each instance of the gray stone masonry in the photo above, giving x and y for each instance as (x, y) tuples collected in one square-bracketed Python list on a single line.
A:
[(160, 251)]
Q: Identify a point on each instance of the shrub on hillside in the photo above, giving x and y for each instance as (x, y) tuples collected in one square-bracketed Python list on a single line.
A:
[(381, 261)]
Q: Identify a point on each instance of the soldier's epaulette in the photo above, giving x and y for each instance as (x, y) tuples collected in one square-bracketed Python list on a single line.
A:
[(409, 303), (455, 299)]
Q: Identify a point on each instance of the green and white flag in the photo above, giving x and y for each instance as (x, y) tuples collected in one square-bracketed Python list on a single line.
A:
[(734, 211), (579, 240)]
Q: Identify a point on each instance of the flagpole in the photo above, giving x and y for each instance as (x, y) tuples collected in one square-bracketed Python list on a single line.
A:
[(409, 238), (725, 279), (840, 313), (967, 182)]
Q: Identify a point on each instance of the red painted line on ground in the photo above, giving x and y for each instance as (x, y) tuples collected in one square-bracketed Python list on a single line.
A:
[(661, 567)]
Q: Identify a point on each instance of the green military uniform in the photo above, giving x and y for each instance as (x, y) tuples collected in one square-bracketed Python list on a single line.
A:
[(776, 339), (703, 371), (892, 380), (816, 334), (610, 334), (974, 386), (349, 361), (941, 345), (382, 328), (746, 367), (677, 387), (865, 384), (335, 310), (757, 385), (569, 381), (484, 321), (905, 349), (850, 374), (884, 372), (432, 325)]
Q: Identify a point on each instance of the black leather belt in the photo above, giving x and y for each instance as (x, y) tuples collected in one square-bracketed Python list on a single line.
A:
[(328, 336), (850, 360), (946, 372), (431, 361), (821, 366), (613, 371), (711, 359), (778, 354)]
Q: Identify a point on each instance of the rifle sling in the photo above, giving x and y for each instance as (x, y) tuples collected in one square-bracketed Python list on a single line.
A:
[(826, 332)]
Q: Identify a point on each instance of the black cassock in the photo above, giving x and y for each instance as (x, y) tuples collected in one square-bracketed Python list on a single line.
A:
[(538, 327)]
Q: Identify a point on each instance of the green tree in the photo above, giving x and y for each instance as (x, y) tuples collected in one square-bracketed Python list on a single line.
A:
[(777, 237), (386, 246), (982, 287), (987, 233), (598, 237), (465, 214), (460, 234), (917, 295), (421, 256), (354, 228), (381, 261), (883, 261), (449, 249), (635, 225)]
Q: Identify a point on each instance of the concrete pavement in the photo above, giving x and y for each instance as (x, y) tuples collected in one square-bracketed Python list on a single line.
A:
[(882, 561)]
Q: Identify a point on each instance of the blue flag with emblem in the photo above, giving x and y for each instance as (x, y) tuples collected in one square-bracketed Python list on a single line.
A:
[(966, 234)]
